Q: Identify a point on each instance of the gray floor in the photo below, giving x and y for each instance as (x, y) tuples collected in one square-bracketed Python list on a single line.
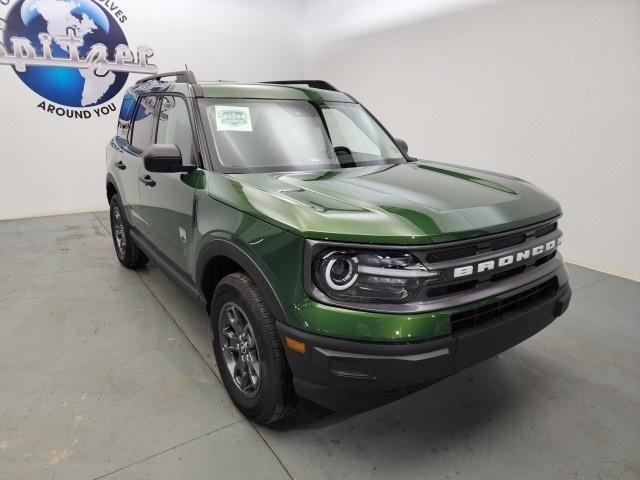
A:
[(108, 373)]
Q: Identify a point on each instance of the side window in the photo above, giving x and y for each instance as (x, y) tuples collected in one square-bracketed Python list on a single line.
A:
[(174, 126), (126, 115), (143, 123)]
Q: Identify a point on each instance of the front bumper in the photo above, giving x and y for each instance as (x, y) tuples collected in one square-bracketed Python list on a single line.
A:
[(347, 375)]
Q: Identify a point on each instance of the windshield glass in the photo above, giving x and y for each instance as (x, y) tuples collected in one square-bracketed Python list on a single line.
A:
[(283, 135)]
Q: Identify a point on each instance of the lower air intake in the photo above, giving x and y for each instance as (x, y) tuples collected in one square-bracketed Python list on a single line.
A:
[(488, 314)]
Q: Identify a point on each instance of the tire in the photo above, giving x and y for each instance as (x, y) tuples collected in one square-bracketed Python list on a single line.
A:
[(128, 252), (273, 399)]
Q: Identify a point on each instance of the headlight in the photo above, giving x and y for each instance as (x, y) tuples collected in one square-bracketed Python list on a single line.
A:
[(375, 276)]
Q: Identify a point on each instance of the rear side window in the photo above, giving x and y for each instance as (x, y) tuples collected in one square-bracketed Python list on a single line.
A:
[(143, 122), (174, 126), (126, 115)]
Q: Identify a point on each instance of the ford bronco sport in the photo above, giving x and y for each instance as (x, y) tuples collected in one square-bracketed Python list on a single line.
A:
[(334, 266)]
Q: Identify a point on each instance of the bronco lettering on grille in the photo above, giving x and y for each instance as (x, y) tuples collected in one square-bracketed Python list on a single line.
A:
[(505, 261)]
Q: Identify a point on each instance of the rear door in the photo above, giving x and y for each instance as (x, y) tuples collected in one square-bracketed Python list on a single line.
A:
[(167, 199)]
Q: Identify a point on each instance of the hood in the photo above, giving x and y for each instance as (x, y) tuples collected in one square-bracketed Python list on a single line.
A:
[(414, 203)]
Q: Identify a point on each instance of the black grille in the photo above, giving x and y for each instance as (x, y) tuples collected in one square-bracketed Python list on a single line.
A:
[(546, 230), (545, 259), (446, 254), (451, 254), (506, 242), (490, 313), (508, 273)]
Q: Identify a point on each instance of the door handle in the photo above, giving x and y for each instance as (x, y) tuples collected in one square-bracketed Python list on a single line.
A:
[(121, 165), (147, 180)]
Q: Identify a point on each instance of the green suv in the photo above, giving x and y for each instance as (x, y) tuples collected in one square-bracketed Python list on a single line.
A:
[(334, 266)]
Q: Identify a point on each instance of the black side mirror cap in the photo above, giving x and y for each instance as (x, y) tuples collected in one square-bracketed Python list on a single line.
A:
[(165, 158), (402, 145)]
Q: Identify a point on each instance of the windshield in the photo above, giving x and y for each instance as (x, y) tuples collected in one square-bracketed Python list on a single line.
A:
[(283, 135)]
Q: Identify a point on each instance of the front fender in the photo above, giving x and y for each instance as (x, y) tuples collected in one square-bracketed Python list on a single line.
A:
[(218, 247)]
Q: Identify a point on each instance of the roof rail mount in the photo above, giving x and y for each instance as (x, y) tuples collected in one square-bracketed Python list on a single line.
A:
[(321, 84), (182, 76)]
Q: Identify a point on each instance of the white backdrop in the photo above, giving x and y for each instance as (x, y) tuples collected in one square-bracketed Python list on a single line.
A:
[(545, 90), (52, 165)]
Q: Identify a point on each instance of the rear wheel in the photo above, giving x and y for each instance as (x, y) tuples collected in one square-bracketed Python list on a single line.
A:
[(249, 353), (128, 252)]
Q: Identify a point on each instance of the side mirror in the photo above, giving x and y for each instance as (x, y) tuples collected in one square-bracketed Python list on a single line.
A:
[(403, 146), (165, 158)]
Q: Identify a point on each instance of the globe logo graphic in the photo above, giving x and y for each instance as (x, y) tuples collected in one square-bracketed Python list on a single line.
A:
[(90, 25)]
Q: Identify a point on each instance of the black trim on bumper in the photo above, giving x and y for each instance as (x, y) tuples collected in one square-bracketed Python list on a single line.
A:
[(346, 375)]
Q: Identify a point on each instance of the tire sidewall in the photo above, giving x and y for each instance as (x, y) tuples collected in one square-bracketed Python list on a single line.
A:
[(263, 403), (117, 203)]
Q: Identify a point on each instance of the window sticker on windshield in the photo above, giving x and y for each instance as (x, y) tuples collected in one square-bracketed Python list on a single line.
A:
[(233, 119)]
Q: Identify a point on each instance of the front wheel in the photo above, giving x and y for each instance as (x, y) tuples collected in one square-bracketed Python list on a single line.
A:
[(249, 353)]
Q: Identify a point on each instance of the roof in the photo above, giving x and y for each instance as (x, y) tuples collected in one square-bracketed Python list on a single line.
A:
[(270, 91), (185, 83)]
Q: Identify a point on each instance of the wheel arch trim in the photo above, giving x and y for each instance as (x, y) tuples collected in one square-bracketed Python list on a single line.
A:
[(112, 181), (220, 247)]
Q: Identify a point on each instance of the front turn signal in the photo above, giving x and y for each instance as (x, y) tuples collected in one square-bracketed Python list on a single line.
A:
[(295, 345)]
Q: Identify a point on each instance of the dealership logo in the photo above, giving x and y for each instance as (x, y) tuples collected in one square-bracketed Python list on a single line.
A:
[(73, 53)]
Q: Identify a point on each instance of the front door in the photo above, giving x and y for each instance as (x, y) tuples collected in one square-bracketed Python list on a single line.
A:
[(167, 199), (129, 157)]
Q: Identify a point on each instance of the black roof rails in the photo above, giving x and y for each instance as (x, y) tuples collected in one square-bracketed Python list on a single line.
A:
[(321, 84), (183, 76)]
